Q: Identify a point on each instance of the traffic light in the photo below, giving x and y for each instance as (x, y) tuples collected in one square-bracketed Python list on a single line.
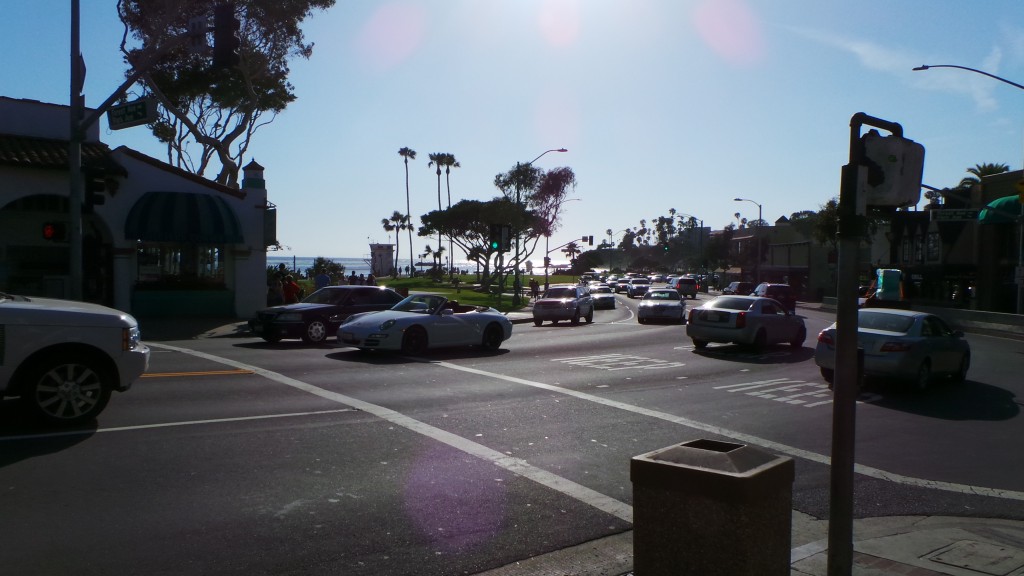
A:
[(894, 168), (94, 185), (664, 246), (589, 240), (225, 36), (494, 237), (55, 231), (547, 261), (506, 237)]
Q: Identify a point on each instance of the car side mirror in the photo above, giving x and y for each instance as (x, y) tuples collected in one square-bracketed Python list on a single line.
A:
[(447, 312)]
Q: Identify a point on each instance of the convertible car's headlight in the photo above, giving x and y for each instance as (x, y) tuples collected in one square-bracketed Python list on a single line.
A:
[(290, 317), (387, 324)]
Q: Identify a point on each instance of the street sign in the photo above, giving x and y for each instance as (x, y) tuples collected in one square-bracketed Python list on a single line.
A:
[(947, 215), (136, 113)]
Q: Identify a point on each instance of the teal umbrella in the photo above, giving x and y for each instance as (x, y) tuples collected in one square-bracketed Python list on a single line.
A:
[(1003, 210)]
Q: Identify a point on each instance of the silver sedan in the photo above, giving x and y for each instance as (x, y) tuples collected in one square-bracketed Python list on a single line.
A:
[(747, 320), (661, 304), (901, 344)]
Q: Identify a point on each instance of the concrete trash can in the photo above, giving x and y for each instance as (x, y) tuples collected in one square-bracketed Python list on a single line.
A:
[(708, 507)]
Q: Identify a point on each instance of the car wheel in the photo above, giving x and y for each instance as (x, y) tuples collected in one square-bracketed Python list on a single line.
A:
[(640, 320), (590, 316), (924, 376), (961, 375), (828, 374), (537, 322), (415, 340), (699, 343), (760, 340), (315, 332), (798, 342), (66, 389), (576, 317), (493, 337), (272, 339)]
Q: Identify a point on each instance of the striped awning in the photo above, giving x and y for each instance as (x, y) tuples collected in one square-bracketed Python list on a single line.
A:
[(182, 217)]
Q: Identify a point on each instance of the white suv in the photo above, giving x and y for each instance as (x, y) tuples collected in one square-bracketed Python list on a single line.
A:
[(64, 358)]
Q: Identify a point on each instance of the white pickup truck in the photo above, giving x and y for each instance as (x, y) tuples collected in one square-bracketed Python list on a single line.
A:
[(64, 358)]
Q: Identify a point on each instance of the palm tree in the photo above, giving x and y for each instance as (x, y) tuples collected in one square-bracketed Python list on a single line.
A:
[(979, 171), (437, 159), (407, 153), (449, 163), (397, 222)]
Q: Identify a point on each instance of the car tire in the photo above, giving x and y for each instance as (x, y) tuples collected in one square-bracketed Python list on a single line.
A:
[(576, 317), (828, 374), (493, 337), (798, 342), (415, 340), (66, 389), (590, 316), (640, 320), (315, 331), (699, 344), (272, 339), (537, 322), (923, 377)]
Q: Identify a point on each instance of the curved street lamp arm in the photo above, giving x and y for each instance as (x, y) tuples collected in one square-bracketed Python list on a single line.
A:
[(926, 66)]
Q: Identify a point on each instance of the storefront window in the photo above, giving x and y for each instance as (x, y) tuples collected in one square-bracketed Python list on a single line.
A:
[(180, 266)]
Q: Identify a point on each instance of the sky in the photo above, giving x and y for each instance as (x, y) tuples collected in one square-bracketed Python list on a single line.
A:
[(661, 104)]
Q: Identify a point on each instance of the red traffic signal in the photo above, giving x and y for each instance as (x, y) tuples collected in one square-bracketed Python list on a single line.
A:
[(55, 231)]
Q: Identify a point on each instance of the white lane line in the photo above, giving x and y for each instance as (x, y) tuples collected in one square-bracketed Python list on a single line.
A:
[(517, 466), (753, 440)]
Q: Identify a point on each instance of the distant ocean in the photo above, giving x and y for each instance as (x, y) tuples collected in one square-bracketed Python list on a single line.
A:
[(362, 265)]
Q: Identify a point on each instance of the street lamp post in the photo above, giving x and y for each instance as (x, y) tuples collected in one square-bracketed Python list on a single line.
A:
[(517, 283), (757, 240), (1020, 218)]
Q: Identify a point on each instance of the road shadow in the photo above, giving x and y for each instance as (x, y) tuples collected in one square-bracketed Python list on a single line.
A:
[(23, 437), (778, 354), (390, 357), (945, 400)]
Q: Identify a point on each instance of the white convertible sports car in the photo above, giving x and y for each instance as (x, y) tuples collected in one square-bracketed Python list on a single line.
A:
[(426, 321)]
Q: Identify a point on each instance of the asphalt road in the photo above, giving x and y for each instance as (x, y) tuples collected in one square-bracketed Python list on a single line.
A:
[(237, 456)]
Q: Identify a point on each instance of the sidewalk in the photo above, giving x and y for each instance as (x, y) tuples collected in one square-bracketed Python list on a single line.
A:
[(904, 545)]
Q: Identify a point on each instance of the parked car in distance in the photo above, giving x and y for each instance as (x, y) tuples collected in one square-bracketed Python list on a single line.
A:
[(564, 302), (738, 288), (426, 321), (748, 320), (686, 286), (64, 359), (320, 313), (782, 292), (604, 298), (637, 286), (901, 344), (661, 304)]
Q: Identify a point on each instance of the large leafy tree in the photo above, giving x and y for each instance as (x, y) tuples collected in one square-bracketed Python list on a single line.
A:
[(541, 195), (211, 114)]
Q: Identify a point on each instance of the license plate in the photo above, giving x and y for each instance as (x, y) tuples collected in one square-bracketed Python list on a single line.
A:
[(346, 336), (713, 317)]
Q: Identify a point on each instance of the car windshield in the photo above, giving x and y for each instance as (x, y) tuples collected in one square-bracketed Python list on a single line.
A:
[(603, 290), (882, 321), (421, 303), (662, 295), (640, 281), (560, 293), (730, 303), (326, 296)]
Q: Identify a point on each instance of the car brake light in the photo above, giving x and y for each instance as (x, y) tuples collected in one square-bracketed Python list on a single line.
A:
[(894, 347), (826, 338), (741, 319)]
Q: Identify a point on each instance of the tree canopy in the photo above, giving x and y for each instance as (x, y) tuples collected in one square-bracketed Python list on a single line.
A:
[(211, 114)]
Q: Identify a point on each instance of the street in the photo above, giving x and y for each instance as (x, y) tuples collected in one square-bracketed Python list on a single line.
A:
[(233, 455)]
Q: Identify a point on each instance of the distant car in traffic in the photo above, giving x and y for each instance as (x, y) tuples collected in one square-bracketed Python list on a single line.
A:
[(686, 286), (738, 288), (564, 302), (604, 298), (319, 314), (747, 320), (901, 344), (661, 304), (782, 292), (637, 286), (426, 321)]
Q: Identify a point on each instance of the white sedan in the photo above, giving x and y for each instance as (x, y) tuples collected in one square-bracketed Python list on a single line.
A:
[(748, 320), (661, 304), (425, 321)]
